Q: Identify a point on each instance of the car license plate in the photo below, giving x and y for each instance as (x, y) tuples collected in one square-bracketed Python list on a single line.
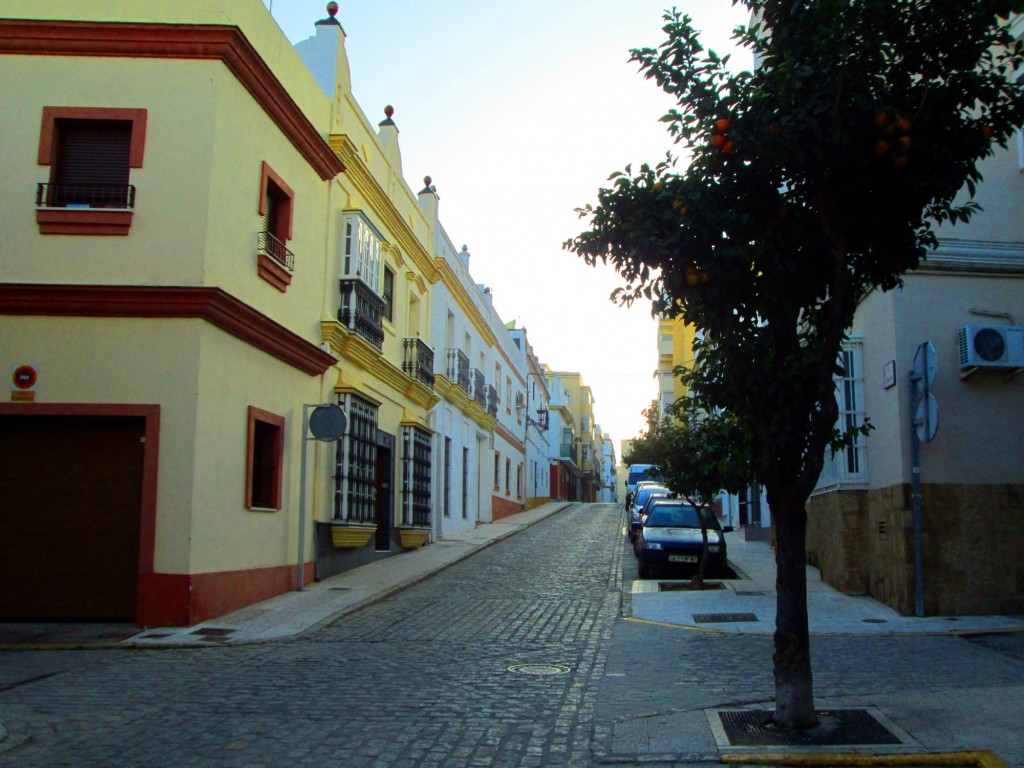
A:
[(682, 558)]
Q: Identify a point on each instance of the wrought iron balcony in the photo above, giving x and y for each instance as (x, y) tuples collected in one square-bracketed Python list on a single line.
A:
[(492, 401), (477, 387), (50, 195), (361, 311), (419, 361), (268, 245), (457, 369)]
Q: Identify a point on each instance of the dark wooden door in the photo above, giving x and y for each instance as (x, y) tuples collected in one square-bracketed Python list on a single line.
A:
[(70, 506), (385, 497)]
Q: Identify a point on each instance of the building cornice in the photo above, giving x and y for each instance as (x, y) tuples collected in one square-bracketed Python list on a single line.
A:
[(355, 349), (976, 257), (227, 44), (213, 305), (382, 206), (458, 291)]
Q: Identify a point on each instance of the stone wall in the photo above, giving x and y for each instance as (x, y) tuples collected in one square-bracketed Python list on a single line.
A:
[(836, 536), (973, 546)]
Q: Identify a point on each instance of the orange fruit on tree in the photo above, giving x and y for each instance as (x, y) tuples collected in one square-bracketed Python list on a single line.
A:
[(881, 147), (722, 124), (729, 147), (718, 140)]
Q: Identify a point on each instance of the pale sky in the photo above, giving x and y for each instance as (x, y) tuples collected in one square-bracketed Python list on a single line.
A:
[(519, 113)]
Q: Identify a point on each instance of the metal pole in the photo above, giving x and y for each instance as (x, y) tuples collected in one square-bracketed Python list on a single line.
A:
[(299, 568), (915, 469)]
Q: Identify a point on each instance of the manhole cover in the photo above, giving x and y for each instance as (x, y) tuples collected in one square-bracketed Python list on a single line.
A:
[(838, 727), (539, 669), (722, 618)]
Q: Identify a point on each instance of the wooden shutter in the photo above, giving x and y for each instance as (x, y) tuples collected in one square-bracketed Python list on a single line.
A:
[(92, 161)]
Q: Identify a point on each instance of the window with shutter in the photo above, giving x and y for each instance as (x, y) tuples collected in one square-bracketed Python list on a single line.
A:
[(274, 260), (90, 152)]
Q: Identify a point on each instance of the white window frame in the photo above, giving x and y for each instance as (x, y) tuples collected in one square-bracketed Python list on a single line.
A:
[(362, 251), (848, 469)]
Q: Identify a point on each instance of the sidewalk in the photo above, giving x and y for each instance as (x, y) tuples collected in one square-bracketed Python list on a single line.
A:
[(293, 613), (747, 605)]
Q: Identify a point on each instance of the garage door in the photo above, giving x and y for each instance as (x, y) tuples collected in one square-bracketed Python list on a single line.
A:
[(70, 501)]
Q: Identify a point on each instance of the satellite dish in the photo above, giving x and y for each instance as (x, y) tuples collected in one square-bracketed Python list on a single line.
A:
[(327, 423)]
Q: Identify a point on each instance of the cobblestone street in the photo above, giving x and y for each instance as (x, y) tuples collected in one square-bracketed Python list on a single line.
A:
[(422, 679), (521, 655)]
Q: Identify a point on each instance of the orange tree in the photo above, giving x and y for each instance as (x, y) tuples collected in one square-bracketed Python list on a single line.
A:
[(811, 180)]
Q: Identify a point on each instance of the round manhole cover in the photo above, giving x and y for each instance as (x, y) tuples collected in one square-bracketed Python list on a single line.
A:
[(538, 669)]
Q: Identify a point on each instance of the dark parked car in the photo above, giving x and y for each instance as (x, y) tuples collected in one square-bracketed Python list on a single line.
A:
[(640, 498), (637, 513), (670, 539)]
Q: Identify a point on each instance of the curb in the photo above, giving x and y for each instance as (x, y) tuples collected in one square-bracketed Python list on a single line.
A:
[(980, 759)]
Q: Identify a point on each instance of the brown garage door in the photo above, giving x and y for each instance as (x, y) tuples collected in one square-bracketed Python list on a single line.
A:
[(70, 498)]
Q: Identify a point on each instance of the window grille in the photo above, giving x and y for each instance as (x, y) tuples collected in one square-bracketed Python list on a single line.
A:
[(356, 466), (363, 245), (415, 476)]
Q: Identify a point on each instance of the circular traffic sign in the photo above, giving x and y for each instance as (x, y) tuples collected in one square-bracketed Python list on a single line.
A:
[(24, 377), (327, 423), (926, 419)]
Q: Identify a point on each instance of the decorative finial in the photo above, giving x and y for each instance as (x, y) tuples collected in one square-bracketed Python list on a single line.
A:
[(389, 111), (330, 21), (427, 185), (465, 248), (426, 181)]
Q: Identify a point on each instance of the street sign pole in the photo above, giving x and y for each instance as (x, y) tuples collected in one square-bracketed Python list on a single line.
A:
[(327, 424), (923, 425)]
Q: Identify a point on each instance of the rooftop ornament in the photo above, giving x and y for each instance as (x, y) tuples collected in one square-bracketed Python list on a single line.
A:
[(388, 112), (332, 11), (428, 187)]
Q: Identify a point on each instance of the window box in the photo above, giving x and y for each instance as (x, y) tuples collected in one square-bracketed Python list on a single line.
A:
[(351, 535), (411, 538)]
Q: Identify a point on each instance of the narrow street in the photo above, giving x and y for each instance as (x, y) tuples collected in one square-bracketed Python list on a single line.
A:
[(426, 678), (521, 655)]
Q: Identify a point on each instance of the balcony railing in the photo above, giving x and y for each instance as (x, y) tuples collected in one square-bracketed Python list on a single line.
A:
[(492, 401), (419, 361), (85, 195), (845, 469), (477, 388), (268, 245), (457, 369), (361, 311)]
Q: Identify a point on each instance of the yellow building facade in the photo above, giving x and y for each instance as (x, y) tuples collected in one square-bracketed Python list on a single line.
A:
[(245, 248)]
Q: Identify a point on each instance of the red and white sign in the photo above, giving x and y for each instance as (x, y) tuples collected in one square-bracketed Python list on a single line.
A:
[(24, 378)]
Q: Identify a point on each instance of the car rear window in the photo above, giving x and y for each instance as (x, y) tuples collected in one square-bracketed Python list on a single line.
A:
[(676, 516)]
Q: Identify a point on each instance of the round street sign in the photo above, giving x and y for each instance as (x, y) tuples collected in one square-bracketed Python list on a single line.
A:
[(24, 377), (924, 367), (327, 423), (926, 419)]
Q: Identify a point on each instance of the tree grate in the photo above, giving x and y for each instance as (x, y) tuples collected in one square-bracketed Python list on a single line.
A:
[(722, 618), (837, 727)]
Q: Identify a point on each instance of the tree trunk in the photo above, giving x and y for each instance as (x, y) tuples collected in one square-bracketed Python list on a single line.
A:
[(794, 694)]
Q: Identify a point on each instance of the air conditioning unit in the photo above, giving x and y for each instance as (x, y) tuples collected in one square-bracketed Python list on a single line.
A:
[(520, 400), (991, 346)]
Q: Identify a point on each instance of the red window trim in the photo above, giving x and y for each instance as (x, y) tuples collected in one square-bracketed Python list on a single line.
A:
[(269, 174), (137, 117), (258, 414), (59, 221)]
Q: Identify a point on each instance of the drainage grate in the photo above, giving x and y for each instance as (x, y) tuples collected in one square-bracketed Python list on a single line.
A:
[(212, 632), (722, 618), (838, 727)]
